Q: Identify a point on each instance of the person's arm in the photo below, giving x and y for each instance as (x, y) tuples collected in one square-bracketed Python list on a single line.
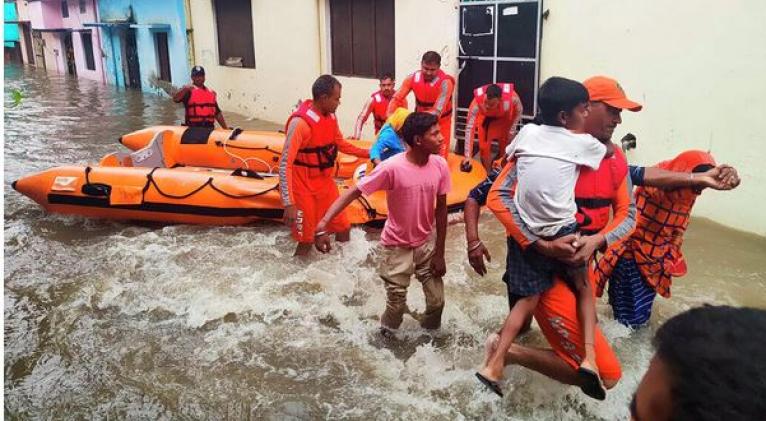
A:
[(500, 202), (182, 94), (297, 130), (518, 110), (347, 148), (722, 177), (219, 118), (321, 239), (621, 226), (470, 128), (438, 265), (471, 211), (444, 95), (361, 119), (400, 96)]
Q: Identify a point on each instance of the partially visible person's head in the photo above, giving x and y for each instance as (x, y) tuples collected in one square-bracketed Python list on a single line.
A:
[(607, 100), (494, 95), (564, 103), (387, 85), (397, 118), (198, 76), (430, 65), (710, 365), (421, 131), (326, 94)]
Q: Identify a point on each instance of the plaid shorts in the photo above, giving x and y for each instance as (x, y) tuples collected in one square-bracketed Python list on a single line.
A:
[(528, 272)]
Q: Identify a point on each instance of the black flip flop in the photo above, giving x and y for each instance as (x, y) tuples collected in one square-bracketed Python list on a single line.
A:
[(590, 384), (492, 385)]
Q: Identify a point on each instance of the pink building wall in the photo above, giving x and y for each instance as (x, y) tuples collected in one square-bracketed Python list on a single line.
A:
[(46, 15)]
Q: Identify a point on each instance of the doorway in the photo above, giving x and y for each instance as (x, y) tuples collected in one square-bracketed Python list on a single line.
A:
[(71, 66), (133, 79)]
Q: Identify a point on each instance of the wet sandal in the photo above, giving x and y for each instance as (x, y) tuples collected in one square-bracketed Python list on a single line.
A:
[(492, 385), (591, 384)]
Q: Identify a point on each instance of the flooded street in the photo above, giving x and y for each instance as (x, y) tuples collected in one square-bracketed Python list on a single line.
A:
[(118, 320)]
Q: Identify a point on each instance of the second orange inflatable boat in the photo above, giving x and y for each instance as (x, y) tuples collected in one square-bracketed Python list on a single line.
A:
[(220, 148)]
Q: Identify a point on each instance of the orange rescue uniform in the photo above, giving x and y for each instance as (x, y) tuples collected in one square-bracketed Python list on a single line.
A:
[(492, 125), (556, 312), (306, 167), (433, 97)]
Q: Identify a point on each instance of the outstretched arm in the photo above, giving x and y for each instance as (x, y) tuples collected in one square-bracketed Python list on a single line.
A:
[(722, 177), (321, 239), (400, 95), (361, 119), (181, 93)]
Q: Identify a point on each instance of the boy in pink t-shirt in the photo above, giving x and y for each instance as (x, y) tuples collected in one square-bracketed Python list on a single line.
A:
[(416, 183)]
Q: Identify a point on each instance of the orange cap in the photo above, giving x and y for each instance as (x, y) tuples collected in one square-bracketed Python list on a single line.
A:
[(604, 89)]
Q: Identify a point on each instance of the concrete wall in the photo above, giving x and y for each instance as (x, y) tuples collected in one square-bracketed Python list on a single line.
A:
[(292, 48), (697, 67), (144, 13)]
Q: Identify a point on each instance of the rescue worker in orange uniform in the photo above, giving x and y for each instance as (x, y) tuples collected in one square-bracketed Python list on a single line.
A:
[(200, 102), (433, 94), (306, 167), (495, 111), (377, 105)]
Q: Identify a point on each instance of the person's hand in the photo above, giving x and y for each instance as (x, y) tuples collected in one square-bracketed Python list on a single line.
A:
[(586, 246), (476, 255), (354, 137), (465, 165), (438, 266), (322, 242), (291, 214), (728, 176), (561, 248)]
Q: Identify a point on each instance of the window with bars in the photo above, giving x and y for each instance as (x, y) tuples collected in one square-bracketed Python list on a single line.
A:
[(163, 55), (362, 37)]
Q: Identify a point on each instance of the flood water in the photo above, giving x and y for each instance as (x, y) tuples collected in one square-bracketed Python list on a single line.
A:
[(119, 320)]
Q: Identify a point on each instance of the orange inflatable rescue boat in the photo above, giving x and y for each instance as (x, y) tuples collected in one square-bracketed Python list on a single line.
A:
[(151, 184)]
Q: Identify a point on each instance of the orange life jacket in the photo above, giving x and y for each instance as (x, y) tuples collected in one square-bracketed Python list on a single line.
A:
[(319, 153), (506, 100), (379, 109), (663, 216), (201, 107), (595, 190), (427, 93)]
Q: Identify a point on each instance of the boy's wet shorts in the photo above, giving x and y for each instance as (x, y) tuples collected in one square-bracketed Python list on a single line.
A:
[(528, 272)]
